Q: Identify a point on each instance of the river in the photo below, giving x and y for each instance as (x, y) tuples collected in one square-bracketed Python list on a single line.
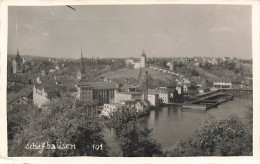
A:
[(170, 124)]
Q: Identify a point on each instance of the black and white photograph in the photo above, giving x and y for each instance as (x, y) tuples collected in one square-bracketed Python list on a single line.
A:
[(129, 80)]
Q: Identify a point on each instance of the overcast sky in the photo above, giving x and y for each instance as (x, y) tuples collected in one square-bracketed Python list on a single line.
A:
[(124, 31)]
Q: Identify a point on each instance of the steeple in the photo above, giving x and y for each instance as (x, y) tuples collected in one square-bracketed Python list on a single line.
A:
[(18, 57), (82, 69), (143, 54), (81, 59)]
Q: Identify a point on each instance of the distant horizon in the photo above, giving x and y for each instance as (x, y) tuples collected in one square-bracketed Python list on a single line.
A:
[(128, 57), (122, 31)]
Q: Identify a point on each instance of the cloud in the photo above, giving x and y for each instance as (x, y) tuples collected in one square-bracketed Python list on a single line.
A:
[(221, 29)]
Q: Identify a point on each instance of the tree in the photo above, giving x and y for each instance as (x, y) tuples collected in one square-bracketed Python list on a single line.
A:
[(194, 72), (61, 121), (134, 139), (216, 137)]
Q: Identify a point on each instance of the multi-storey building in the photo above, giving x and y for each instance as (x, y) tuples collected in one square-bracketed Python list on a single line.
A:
[(100, 92), (110, 108), (124, 96), (166, 95), (153, 98)]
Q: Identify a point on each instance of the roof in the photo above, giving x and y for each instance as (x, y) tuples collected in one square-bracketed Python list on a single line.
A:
[(53, 89), (100, 85), (143, 54), (162, 90), (116, 104), (23, 93), (126, 86), (11, 97), (130, 93), (18, 57)]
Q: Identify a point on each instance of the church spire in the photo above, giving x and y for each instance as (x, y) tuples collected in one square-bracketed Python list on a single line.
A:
[(83, 71), (81, 59)]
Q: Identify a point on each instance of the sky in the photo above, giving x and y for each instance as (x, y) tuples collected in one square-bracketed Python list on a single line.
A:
[(126, 30)]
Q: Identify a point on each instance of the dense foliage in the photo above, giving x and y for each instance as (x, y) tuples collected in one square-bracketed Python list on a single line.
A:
[(134, 139), (61, 121)]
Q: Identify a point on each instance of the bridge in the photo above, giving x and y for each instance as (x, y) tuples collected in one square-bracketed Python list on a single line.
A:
[(167, 71), (209, 100), (237, 90), (164, 70)]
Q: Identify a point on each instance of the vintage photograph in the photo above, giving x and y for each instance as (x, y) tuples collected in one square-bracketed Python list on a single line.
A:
[(151, 80)]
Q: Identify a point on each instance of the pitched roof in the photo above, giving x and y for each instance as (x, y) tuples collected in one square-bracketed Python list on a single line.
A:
[(143, 54), (23, 93), (100, 85), (18, 57), (130, 93)]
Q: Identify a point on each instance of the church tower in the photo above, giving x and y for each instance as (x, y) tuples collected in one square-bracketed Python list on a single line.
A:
[(18, 64), (81, 75), (143, 60)]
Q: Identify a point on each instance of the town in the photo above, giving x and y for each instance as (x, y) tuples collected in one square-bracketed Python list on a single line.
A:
[(110, 85), (102, 89)]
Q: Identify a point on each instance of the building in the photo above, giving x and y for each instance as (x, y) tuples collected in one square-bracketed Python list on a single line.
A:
[(130, 104), (124, 96), (185, 88), (203, 90), (153, 98), (128, 88), (142, 106), (222, 84), (110, 108), (237, 84), (18, 64), (23, 97), (102, 92), (165, 94), (143, 60), (82, 69), (142, 63), (85, 91), (91, 109), (45, 92), (170, 65), (46, 89)]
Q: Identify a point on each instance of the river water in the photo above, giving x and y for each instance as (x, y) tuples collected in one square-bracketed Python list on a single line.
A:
[(171, 124)]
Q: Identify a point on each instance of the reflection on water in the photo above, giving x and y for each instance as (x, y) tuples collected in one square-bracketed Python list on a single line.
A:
[(170, 124)]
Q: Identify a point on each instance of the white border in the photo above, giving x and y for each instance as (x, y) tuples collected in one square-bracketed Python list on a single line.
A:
[(3, 76)]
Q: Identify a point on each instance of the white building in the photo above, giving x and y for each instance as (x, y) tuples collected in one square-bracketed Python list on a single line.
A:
[(222, 84), (39, 96), (110, 108), (153, 98), (164, 94)]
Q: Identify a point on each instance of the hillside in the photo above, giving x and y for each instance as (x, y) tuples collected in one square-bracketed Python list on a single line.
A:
[(133, 73)]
